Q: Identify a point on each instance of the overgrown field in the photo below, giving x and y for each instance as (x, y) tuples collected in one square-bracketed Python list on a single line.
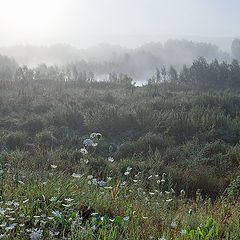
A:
[(114, 161)]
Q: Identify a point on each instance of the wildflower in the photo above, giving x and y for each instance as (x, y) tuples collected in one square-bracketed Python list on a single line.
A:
[(25, 201), (53, 199), (129, 169), (162, 238), (86, 161), (183, 231), (93, 135), (174, 224), (57, 214), (158, 181), (190, 211), (182, 193), (4, 224), (9, 203), (126, 218), (88, 142), (84, 151), (2, 211), (66, 205), (98, 136), (123, 183), (36, 234), (102, 183), (53, 166), (75, 175), (94, 214), (54, 233), (68, 199), (111, 159), (94, 181), (11, 226)]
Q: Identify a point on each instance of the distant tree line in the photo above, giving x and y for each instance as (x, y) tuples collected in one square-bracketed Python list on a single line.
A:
[(201, 74)]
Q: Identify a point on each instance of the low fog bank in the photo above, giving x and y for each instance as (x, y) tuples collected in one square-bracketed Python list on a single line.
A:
[(103, 59)]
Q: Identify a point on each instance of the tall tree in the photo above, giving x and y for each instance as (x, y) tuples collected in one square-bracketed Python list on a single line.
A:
[(236, 49)]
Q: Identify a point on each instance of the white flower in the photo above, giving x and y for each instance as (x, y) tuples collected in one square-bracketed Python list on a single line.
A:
[(25, 201), (182, 193), (88, 142), (111, 159), (75, 175), (68, 199), (86, 161), (90, 177), (11, 226), (2, 211), (36, 234), (98, 136), (183, 231), (126, 218), (129, 169), (93, 135), (67, 205), (102, 183), (174, 224), (94, 181), (53, 166), (84, 151), (53, 199), (57, 214)]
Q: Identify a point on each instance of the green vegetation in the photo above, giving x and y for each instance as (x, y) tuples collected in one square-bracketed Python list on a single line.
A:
[(109, 160)]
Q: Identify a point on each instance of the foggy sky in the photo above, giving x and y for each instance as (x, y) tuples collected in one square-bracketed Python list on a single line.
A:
[(84, 23)]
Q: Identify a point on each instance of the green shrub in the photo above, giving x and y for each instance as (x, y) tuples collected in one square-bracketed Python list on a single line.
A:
[(16, 140)]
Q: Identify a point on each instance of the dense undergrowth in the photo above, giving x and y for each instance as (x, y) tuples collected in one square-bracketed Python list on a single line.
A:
[(166, 166)]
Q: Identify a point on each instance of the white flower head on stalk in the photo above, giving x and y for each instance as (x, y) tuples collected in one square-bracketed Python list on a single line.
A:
[(111, 159), (93, 135), (129, 169), (75, 175), (53, 166), (98, 136), (88, 142), (84, 151), (36, 234)]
